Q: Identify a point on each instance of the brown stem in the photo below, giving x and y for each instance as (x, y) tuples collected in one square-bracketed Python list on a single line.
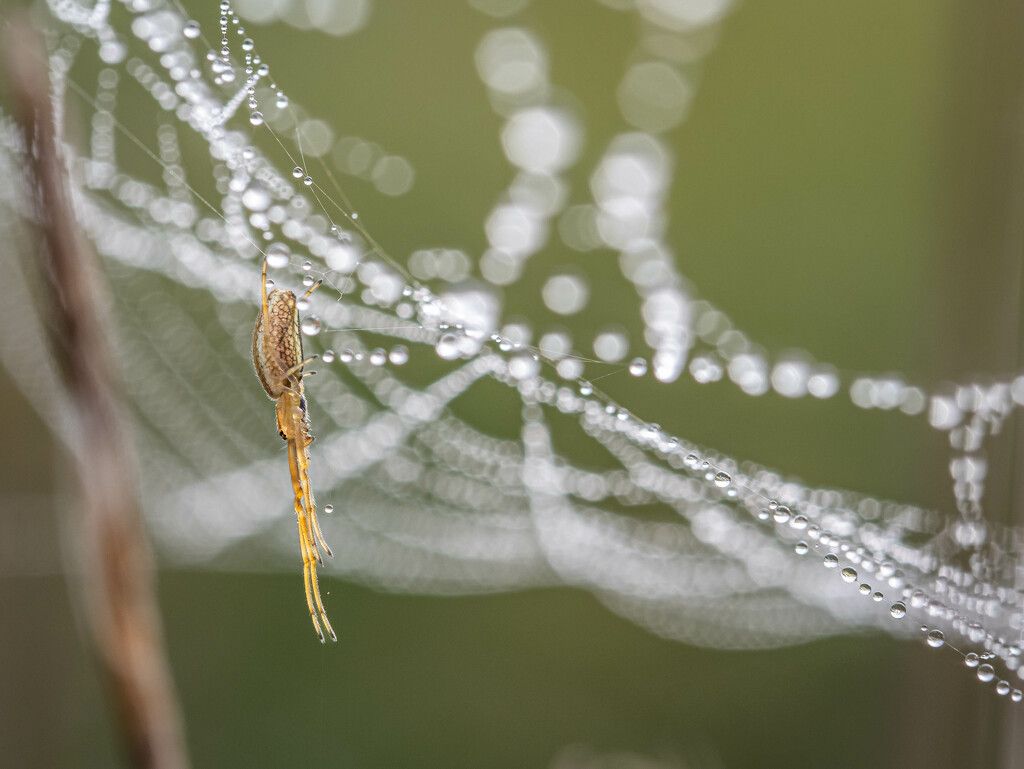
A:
[(116, 579)]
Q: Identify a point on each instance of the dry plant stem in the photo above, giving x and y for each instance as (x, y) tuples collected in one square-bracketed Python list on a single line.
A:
[(116, 581)]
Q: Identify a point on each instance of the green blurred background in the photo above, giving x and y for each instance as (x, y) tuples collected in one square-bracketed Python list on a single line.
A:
[(847, 182)]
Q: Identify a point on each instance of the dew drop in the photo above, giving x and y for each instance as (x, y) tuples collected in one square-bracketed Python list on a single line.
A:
[(864, 588), (691, 460), (307, 266), (1016, 695), (354, 215), (638, 367), (346, 356), (311, 325), (302, 304), (191, 30), (308, 181), (722, 480), (781, 514), (801, 548), (278, 255), (282, 101), (328, 509), (898, 610), (1003, 688), (877, 596), (849, 574), (399, 355), (936, 639), (378, 357), (799, 522), (308, 280), (986, 673), (447, 347), (256, 117), (297, 172), (772, 504), (831, 561), (763, 514), (247, 44), (971, 660), (328, 356)]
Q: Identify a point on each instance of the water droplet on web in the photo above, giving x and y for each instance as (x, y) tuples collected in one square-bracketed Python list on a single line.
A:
[(971, 660), (378, 357), (849, 575), (936, 638), (247, 44), (282, 101), (297, 172), (310, 325), (831, 561), (986, 673), (328, 356), (399, 355), (256, 117), (772, 504), (346, 356), (1002, 688), (781, 514), (328, 509), (447, 347), (302, 304), (638, 367), (353, 215), (864, 588), (801, 548), (799, 522), (308, 181), (308, 280), (307, 265), (722, 480), (876, 596), (1016, 695), (898, 610), (278, 255), (763, 514), (691, 460), (586, 388), (191, 30)]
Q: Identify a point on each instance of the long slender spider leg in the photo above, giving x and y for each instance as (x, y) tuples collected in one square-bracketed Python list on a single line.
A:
[(310, 502), (304, 499), (312, 288), (264, 312), (320, 536), (298, 366), (308, 568), (308, 559)]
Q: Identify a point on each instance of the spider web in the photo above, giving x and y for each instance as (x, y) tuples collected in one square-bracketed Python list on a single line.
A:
[(689, 542)]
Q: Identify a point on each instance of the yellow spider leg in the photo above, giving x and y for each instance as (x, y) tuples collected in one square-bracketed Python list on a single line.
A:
[(265, 312), (308, 559), (311, 503), (312, 288), (310, 554), (319, 534), (298, 366)]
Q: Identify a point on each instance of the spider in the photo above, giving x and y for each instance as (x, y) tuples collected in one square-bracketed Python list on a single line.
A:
[(277, 357)]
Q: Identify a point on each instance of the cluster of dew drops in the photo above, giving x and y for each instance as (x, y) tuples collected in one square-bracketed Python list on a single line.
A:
[(449, 346)]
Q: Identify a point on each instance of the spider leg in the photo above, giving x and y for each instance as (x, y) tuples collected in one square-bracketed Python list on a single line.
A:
[(298, 366), (312, 288), (310, 503), (306, 542)]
